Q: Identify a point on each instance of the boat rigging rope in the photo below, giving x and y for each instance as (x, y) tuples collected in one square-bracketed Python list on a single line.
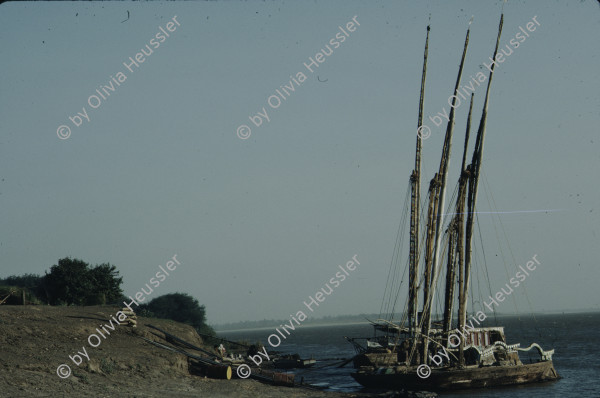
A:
[(495, 208), (494, 212), (389, 285), (485, 267)]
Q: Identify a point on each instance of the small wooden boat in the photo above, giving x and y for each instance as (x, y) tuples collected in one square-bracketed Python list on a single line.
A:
[(293, 362)]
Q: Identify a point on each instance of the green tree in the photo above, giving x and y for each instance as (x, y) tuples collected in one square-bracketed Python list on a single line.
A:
[(72, 281), (180, 307), (27, 286), (27, 280), (107, 284), (68, 282)]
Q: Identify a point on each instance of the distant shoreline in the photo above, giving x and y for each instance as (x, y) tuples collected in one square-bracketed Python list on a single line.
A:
[(308, 325), (359, 319)]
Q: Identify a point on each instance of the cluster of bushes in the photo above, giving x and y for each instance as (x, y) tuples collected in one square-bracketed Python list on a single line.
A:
[(19, 289), (74, 282), (70, 282), (180, 307)]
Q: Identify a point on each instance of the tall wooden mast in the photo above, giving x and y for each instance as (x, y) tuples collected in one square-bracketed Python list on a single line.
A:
[(456, 233), (415, 180), (475, 169), (440, 200)]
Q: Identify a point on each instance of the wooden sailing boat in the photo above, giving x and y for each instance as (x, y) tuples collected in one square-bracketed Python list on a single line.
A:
[(413, 357)]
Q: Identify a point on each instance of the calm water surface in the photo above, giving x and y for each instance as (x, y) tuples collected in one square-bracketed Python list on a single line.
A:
[(574, 337)]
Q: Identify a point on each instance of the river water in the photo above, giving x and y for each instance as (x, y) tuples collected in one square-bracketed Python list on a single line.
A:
[(574, 337)]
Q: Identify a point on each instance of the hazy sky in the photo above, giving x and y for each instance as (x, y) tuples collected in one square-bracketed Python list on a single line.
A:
[(260, 224)]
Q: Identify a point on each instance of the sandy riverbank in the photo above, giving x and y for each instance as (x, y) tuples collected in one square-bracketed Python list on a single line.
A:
[(35, 340)]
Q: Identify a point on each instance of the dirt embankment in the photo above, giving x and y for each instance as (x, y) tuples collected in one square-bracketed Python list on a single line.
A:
[(35, 340)]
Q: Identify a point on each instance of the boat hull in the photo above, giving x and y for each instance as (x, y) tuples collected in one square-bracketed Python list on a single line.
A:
[(375, 359), (460, 379)]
